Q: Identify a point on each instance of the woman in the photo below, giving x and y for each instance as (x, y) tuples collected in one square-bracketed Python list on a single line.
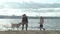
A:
[(24, 21)]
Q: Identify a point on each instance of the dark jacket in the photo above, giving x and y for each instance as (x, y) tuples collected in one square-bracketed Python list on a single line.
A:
[(24, 19)]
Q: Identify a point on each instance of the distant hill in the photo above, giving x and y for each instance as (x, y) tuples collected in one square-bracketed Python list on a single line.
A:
[(45, 17), (19, 17), (10, 17)]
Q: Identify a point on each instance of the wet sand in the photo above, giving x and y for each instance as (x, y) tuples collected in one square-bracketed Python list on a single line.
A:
[(31, 32)]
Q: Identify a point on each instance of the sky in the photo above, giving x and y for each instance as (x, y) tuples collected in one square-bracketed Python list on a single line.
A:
[(30, 7), (37, 1)]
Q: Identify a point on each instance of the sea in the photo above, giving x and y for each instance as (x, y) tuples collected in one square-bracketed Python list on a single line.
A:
[(33, 24)]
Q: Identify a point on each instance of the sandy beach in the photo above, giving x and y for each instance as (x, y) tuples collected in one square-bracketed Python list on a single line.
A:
[(31, 32)]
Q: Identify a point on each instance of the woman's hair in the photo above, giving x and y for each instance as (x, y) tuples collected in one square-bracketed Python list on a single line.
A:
[(24, 14), (41, 17)]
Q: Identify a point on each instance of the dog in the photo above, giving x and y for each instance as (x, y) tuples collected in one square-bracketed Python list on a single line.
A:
[(16, 25)]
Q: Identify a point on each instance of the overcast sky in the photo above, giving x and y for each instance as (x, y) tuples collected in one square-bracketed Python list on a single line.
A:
[(37, 1), (30, 7)]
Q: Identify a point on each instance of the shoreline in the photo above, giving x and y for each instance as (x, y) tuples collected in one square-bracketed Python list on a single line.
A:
[(31, 32)]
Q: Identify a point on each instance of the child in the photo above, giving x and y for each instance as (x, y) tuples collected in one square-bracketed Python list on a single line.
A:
[(41, 23)]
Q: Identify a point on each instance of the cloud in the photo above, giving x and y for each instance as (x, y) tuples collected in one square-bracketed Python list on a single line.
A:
[(19, 12), (36, 1), (31, 5)]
